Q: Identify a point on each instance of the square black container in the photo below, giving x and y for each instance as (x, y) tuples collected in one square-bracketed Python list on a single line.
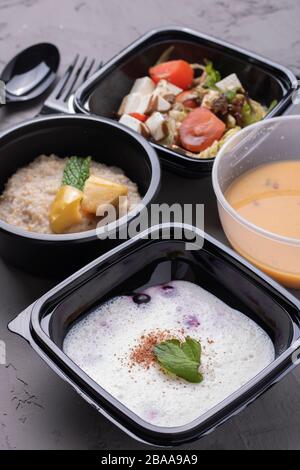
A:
[(143, 262), (265, 81)]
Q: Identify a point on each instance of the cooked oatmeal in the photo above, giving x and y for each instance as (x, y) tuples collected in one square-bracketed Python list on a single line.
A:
[(29, 193)]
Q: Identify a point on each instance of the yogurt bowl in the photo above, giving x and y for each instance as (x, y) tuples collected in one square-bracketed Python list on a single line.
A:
[(66, 328), (276, 141)]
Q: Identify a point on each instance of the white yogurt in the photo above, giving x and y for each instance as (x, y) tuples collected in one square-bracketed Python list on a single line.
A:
[(234, 350)]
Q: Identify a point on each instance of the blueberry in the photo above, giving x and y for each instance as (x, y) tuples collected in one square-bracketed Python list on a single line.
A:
[(141, 299), (167, 288), (192, 321)]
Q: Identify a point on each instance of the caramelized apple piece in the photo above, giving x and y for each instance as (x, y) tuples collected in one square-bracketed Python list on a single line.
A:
[(65, 210), (100, 192)]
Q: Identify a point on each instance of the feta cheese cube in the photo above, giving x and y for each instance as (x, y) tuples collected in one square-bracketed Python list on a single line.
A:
[(134, 124), (230, 83), (157, 126), (165, 88), (135, 103), (158, 103), (144, 86)]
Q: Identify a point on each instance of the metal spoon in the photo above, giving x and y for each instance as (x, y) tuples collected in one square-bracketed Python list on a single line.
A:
[(30, 72)]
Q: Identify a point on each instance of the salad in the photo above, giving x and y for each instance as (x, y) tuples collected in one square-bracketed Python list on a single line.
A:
[(189, 107)]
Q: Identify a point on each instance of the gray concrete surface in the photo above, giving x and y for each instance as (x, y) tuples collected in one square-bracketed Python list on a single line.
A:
[(37, 410)]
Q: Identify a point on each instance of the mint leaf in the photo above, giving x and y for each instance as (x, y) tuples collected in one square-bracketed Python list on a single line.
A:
[(180, 359), (76, 172), (212, 76), (192, 349)]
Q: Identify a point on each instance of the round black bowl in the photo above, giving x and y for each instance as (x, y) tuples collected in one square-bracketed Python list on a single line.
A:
[(107, 142)]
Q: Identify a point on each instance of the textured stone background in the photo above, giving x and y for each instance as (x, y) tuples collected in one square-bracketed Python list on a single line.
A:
[(37, 410)]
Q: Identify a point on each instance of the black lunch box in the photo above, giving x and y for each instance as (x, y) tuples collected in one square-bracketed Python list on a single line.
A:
[(145, 261), (265, 80)]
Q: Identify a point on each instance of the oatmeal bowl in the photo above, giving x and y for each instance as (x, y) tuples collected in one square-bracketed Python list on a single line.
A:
[(60, 175)]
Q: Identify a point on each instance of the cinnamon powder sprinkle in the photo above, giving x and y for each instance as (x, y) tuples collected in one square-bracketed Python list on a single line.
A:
[(142, 354)]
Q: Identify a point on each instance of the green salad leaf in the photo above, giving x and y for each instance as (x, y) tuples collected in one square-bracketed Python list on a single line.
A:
[(230, 95), (181, 359), (272, 106), (165, 56), (76, 172), (252, 112), (212, 75)]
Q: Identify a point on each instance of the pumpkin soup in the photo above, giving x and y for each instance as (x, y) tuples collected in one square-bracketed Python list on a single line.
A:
[(268, 197)]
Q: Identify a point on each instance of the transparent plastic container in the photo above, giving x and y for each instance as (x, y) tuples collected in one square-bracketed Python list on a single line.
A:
[(269, 141)]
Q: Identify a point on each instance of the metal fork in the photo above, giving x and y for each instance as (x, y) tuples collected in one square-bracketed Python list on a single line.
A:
[(61, 98)]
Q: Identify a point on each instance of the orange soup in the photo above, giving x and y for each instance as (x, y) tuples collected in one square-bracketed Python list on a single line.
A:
[(268, 197)]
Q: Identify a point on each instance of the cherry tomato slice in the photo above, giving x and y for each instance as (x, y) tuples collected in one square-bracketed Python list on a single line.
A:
[(200, 130), (188, 99), (178, 72), (190, 104), (140, 117)]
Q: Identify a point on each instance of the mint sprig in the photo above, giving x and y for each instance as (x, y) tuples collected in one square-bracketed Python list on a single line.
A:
[(76, 172), (180, 358)]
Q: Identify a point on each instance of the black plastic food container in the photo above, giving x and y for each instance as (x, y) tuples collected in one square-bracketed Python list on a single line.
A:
[(107, 142), (143, 262), (264, 80)]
